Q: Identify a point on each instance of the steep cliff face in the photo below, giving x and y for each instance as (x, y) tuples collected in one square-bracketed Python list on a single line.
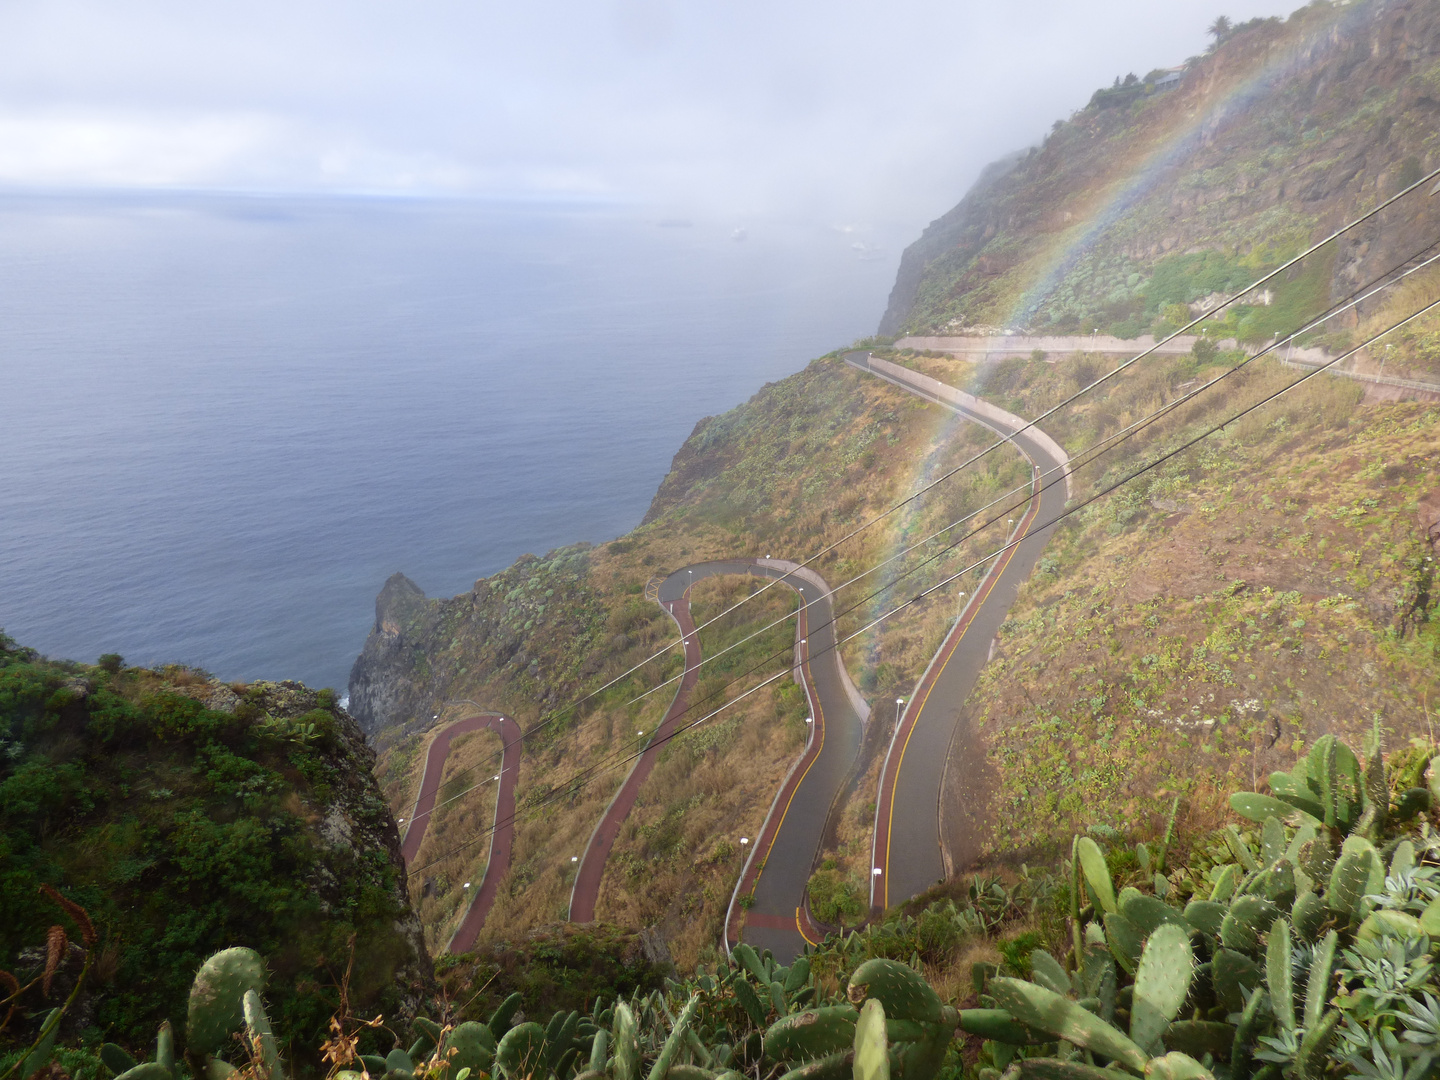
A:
[(956, 230), (187, 816), (387, 684), (1285, 131)]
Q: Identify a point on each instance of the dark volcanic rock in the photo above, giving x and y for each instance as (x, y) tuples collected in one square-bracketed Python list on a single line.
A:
[(383, 691)]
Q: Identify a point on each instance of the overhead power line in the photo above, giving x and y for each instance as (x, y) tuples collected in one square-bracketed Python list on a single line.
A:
[(590, 774), (1088, 454)]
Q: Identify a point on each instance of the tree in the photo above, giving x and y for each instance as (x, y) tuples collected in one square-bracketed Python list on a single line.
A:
[(1221, 27)]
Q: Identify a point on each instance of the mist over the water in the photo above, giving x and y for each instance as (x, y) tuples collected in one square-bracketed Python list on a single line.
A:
[(226, 418), (225, 421)]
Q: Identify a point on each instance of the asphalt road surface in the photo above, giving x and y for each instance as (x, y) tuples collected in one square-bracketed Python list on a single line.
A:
[(907, 818), (783, 854)]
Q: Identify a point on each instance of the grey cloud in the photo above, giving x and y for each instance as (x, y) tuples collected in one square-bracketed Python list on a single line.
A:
[(855, 109)]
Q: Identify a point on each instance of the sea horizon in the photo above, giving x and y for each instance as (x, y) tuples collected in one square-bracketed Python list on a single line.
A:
[(230, 417)]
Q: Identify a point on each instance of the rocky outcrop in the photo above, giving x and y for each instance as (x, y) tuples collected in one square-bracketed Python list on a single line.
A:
[(383, 684), (958, 234)]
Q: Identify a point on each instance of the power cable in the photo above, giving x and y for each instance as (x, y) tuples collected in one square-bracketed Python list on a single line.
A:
[(588, 776), (1234, 298), (1090, 454)]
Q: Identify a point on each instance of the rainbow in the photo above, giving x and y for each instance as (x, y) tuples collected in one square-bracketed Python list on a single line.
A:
[(1070, 246)]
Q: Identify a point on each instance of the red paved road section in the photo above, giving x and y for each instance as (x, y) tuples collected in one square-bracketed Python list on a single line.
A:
[(586, 890), (790, 836), (503, 834)]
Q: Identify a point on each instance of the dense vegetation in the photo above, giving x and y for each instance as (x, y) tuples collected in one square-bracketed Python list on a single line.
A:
[(182, 828), (1301, 945)]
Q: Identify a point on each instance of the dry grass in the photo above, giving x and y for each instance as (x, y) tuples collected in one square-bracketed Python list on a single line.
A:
[(812, 458), (1194, 634)]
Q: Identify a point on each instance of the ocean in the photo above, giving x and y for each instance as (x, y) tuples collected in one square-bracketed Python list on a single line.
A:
[(225, 420)]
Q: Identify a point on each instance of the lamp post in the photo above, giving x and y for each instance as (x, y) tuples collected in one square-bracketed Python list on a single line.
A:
[(959, 605), (899, 701)]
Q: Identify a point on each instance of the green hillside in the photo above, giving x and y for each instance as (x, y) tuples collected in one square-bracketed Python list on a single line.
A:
[(186, 816)]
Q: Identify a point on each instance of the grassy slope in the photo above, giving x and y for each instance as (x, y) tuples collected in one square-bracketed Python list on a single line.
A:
[(1203, 623), (1281, 134), (811, 456)]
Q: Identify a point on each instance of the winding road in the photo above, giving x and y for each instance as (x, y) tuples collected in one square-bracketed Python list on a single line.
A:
[(906, 848), (501, 837), (768, 906), (782, 854)]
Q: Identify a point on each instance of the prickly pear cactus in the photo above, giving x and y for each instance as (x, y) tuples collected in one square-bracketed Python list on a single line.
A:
[(217, 998)]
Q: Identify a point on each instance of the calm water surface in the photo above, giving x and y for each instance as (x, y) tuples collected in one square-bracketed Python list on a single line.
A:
[(225, 421)]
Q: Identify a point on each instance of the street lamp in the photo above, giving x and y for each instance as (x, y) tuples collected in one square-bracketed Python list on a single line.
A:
[(959, 604), (898, 702)]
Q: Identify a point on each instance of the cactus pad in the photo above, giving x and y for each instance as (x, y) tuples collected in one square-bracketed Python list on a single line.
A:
[(872, 1061), (1162, 982), (1233, 973), (1177, 1066), (1049, 1012), (217, 998), (996, 1025), (1148, 913), (1097, 874), (626, 1060), (257, 1027), (899, 988), (469, 1046), (520, 1053), (1249, 917)]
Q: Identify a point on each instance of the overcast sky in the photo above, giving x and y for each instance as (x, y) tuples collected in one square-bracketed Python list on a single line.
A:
[(885, 108)]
